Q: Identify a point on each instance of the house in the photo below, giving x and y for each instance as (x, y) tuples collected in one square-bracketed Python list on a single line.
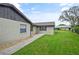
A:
[(63, 27), (14, 25), (44, 27)]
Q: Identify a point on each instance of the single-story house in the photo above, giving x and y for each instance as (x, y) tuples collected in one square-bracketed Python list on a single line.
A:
[(63, 27), (44, 27), (14, 25)]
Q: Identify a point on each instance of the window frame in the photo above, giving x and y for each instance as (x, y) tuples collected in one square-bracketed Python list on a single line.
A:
[(43, 28), (23, 28)]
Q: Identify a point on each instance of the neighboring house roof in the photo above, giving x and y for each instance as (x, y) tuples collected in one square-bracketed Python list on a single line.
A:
[(14, 8), (63, 26), (45, 24)]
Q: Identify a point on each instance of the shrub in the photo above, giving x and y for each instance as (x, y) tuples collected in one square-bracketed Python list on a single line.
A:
[(76, 29)]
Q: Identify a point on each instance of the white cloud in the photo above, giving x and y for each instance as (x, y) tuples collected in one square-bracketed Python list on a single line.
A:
[(63, 4), (32, 8), (66, 4), (28, 9), (44, 17), (64, 8), (18, 6), (35, 12)]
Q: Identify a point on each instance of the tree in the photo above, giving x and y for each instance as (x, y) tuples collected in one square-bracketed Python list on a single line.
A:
[(71, 15), (75, 12), (66, 16)]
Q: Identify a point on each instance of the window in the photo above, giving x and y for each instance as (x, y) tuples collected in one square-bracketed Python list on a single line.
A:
[(22, 28), (43, 28)]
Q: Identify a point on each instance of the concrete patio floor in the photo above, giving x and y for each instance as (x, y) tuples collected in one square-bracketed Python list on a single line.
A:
[(10, 50)]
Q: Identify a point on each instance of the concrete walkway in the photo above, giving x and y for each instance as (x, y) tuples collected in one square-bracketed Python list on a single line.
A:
[(15, 48)]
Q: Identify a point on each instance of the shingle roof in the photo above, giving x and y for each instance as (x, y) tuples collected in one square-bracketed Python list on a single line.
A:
[(18, 11), (44, 23)]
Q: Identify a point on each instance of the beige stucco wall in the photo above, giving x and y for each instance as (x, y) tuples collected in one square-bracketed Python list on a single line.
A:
[(42, 31), (10, 30), (34, 31), (50, 30)]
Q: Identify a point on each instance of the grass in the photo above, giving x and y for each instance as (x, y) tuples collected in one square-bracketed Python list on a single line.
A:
[(61, 43)]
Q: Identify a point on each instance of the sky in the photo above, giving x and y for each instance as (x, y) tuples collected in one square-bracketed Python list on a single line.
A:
[(44, 12)]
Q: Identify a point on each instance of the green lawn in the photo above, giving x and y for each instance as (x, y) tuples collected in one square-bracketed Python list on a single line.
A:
[(61, 43)]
